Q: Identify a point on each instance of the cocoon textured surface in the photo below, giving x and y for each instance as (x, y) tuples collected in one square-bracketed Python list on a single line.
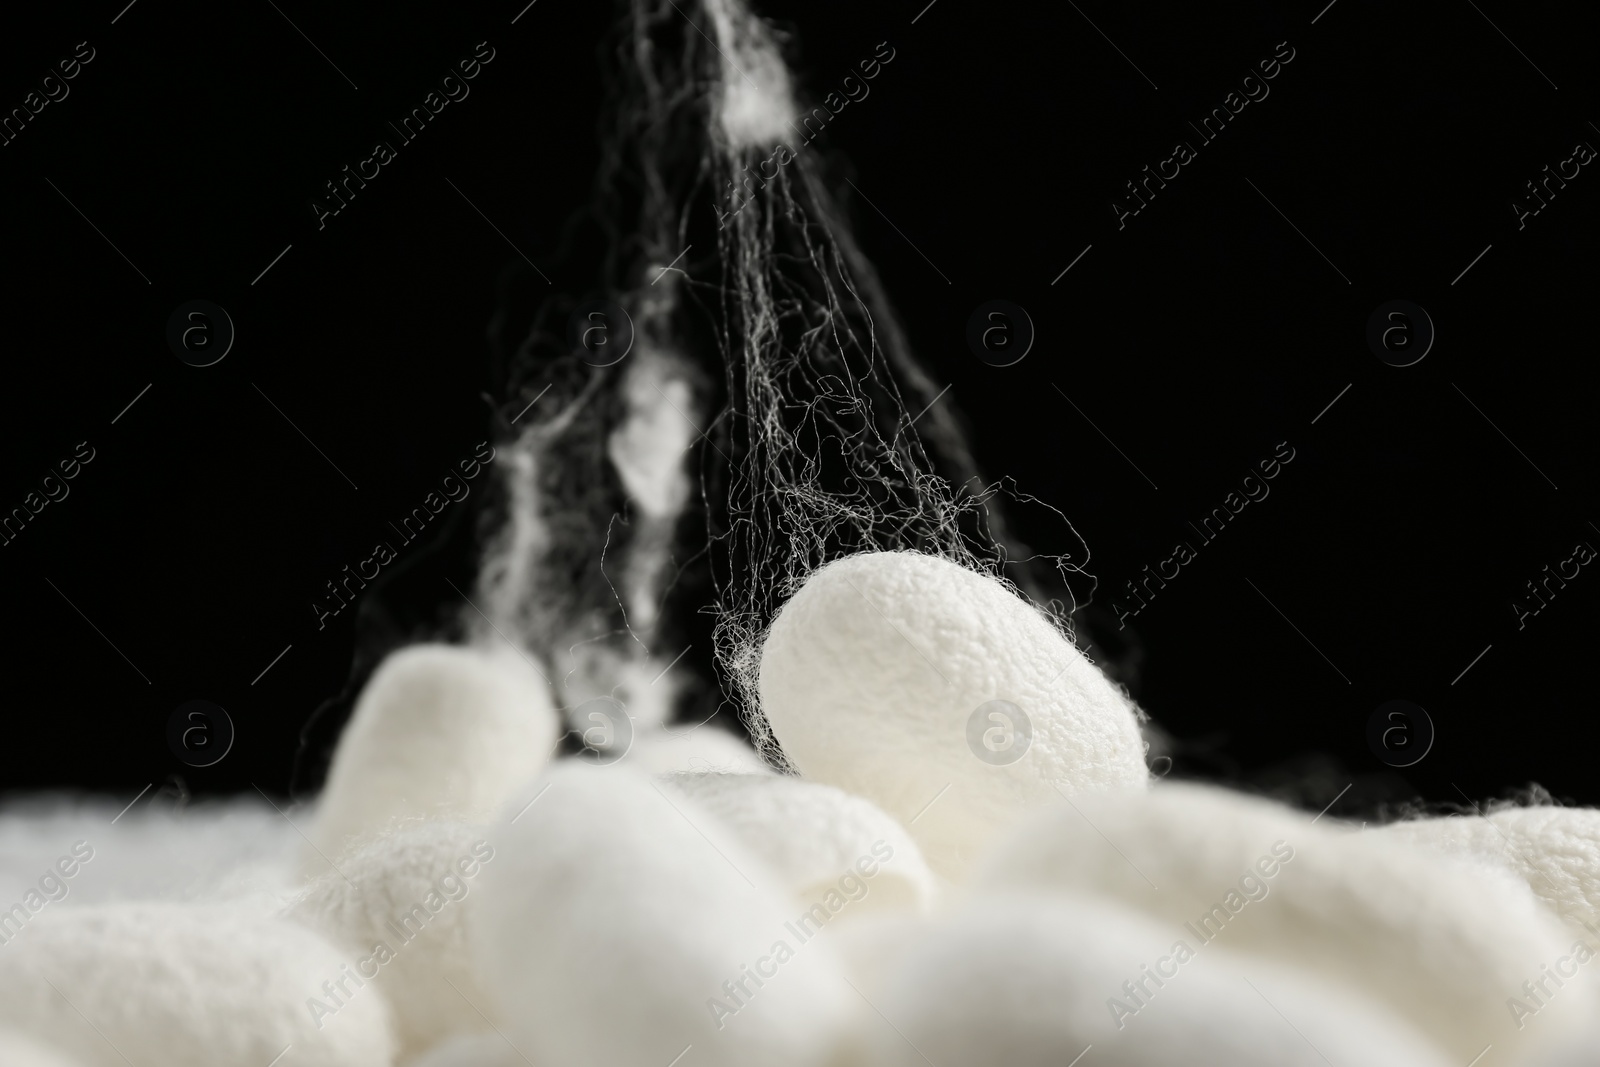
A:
[(1555, 850), (439, 732), (811, 835), (1441, 942), (401, 921), (184, 986), (609, 925), (1028, 982), (873, 678), (19, 1051)]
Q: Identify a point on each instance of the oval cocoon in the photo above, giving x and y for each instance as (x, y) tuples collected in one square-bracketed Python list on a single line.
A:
[(817, 839), (1027, 981), (1555, 850), (185, 985), (401, 920), (903, 678), (440, 732), (1440, 942), (612, 930)]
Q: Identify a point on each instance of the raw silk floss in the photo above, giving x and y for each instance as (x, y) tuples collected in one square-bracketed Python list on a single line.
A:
[(754, 457)]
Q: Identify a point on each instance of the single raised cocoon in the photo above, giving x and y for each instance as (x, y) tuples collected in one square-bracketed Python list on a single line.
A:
[(1032, 981), (1555, 850), (397, 907), (880, 676), (440, 732), (185, 985), (817, 839), (1445, 944), (620, 925)]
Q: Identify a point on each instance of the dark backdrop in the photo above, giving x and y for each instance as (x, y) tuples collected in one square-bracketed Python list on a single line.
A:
[(1183, 345)]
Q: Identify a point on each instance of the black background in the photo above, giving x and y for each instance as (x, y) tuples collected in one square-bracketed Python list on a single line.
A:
[(1196, 338)]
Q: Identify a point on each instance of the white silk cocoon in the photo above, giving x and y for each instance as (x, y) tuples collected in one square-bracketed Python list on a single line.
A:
[(973, 870), (873, 670), (1025, 981), (811, 835), (183, 986), (1555, 850), (1440, 942), (409, 892), (439, 732), (613, 916)]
